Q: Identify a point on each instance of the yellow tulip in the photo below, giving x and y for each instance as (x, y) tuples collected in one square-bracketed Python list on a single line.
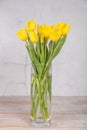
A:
[(66, 29), (39, 29), (61, 25), (55, 35), (33, 36), (46, 30), (22, 34), (41, 38), (31, 25), (54, 27)]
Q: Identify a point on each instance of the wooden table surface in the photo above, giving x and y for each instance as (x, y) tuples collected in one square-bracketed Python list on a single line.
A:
[(68, 113)]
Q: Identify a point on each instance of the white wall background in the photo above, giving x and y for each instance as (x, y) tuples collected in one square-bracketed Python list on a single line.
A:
[(69, 68)]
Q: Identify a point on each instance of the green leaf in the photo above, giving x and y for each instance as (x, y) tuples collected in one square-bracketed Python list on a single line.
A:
[(58, 46), (31, 57), (38, 50), (49, 79), (55, 52), (47, 54), (31, 46), (51, 48), (42, 55)]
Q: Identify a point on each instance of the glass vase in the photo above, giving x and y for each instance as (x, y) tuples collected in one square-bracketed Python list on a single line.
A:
[(40, 97)]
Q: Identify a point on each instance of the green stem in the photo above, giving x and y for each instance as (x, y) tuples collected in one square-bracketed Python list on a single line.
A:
[(39, 97)]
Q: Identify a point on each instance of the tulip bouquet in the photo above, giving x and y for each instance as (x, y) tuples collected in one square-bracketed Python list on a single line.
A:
[(43, 43)]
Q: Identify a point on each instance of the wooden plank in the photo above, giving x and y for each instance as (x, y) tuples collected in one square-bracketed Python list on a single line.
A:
[(67, 112), (11, 128)]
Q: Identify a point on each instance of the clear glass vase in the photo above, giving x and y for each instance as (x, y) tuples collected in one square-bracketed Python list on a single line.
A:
[(40, 97)]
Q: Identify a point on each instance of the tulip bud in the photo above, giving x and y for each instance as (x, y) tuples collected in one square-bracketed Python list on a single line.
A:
[(33, 36), (22, 34), (31, 25), (66, 29)]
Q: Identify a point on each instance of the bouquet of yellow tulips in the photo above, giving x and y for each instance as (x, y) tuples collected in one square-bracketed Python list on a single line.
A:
[(43, 43)]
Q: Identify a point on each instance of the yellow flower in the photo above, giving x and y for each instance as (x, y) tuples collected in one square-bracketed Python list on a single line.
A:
[(66, 29), (33, 36), (61, 25), (46, 30), (54, 27), (41, 38), (55, 35), (39, 29), (22, 34), (31, 25)]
